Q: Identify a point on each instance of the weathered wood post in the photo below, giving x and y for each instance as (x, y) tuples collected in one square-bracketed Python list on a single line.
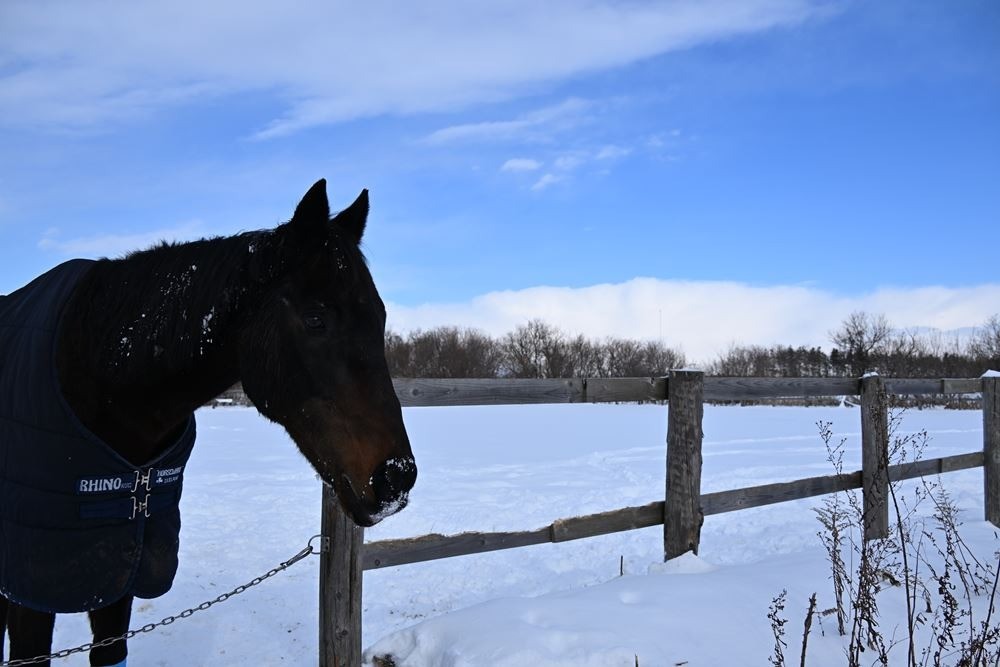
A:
[(339, 586), (682, 515), (875, 457), (991, 447)]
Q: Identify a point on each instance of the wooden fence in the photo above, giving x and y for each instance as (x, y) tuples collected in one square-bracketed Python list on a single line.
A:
[(684, 507)]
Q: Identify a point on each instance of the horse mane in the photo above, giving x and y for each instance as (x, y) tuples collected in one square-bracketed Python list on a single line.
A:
[(164, 306), (166, 302)]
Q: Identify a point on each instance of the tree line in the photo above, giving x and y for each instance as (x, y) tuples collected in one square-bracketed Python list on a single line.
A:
[(533, 350), (867, 343), (863, 343)]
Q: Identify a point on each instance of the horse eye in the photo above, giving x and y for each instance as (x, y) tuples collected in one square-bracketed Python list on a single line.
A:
[(314, 322)]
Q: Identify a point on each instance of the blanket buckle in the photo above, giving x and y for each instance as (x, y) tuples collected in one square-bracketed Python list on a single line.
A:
[(140, 507), (142, 479)]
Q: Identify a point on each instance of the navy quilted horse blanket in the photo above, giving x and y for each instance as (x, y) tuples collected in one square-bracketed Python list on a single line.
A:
[(80, 526)]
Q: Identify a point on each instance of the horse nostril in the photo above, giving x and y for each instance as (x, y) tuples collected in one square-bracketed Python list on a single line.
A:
[(393, 478)]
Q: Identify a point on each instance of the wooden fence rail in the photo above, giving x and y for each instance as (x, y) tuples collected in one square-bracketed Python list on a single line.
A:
[(389, 553), (438, 392), (684, 507)]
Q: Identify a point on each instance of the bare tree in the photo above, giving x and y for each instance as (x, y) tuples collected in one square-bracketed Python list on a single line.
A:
[(860, 338), (586, 358), (397, 355), (622, 358), (777, 361), (445, 352), (462, 353), (535, 350), (737, 361), (658, 359), (903, 353), (985, 343), (538, 350), (482, 355)]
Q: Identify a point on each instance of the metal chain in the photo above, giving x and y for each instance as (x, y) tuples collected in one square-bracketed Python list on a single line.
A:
[(309, 550)]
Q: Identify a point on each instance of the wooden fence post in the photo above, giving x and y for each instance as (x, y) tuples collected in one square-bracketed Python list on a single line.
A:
[(339, 586), (875, 457), (991, 447), (682, 514)]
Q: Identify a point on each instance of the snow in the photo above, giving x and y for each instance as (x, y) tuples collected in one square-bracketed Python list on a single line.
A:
[(390, 508), (206, 322), (991, 374), (251, 501), (612, 623)]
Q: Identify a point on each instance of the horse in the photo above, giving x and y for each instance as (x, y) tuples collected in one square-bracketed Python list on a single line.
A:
[(102, 366)]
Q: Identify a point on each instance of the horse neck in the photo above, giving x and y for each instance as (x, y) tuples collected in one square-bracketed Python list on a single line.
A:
[(148, 339)]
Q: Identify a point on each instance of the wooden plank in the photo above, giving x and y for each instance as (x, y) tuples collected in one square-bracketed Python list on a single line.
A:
[(991, 448), (386, 553), (340, 579), (912, 386), (622, 390), (721, 502), (902, 471), (682, 515), (614, 521), (499, 391), (954, 463), (875, 457), (962, 385), (487, 391), (739, 388)]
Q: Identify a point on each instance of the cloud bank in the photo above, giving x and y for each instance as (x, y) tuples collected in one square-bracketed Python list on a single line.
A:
[(704, 317), (334, 60)]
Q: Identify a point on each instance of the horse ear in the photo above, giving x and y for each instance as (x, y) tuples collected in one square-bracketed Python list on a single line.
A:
[(353, 218), (313, 212)]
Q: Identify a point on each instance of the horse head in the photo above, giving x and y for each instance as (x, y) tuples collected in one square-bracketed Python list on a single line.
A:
[(312, 358)]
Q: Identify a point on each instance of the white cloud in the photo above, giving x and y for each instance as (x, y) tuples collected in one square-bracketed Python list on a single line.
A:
[(662, 140), (704, 318), (570, 161), (332, 60), (112, 245), (545, 181), (539, 124), (521, 164), (612, 152)]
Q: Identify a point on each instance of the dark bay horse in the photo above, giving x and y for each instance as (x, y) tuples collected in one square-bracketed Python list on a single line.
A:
[(102, 365)]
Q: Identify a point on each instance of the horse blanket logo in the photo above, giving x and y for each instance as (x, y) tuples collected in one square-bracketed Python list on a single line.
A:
[(80, 526)]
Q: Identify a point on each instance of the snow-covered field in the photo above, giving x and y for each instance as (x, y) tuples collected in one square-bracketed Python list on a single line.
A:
[(251, 501)]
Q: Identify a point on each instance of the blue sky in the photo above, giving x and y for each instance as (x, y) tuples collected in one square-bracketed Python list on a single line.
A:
[(701, 172)]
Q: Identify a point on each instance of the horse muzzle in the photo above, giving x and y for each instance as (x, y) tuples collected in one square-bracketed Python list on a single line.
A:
[(387, 491)]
